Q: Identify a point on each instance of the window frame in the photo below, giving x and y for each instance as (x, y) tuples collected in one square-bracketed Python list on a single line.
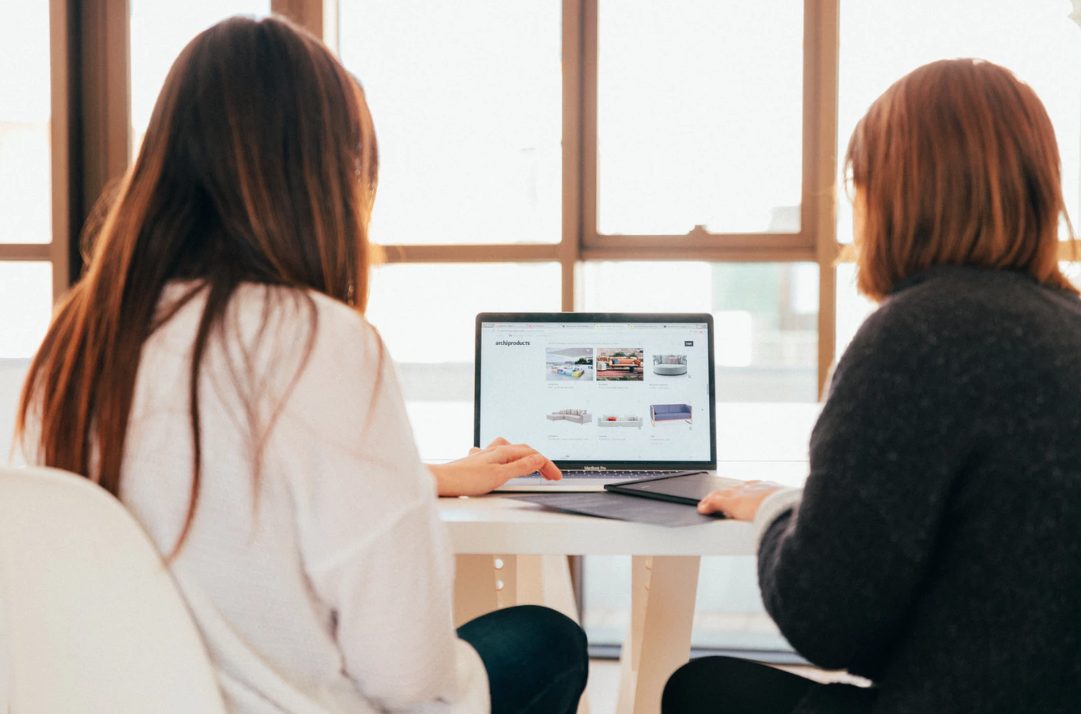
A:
[(90, 137), (580, 241)]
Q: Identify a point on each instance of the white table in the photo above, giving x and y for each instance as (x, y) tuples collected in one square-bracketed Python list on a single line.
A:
[(512, 552)]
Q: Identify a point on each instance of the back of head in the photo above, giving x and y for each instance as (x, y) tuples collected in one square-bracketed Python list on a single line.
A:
[(259, 160), (259, 165), (956, 164)]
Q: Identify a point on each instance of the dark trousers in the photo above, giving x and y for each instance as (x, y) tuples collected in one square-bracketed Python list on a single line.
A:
[(536, 659), (726, 685)]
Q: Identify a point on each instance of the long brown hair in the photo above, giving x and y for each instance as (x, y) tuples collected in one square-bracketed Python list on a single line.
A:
[(956, 163), (259, 166)]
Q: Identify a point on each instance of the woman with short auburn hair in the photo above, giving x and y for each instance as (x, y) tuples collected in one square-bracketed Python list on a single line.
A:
[(935, 548), (214, 371), (956, 164)]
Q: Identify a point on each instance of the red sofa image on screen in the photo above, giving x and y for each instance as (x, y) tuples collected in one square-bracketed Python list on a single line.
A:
[(670, 412)]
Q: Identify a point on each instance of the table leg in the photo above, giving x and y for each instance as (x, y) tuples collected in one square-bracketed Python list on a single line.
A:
[(539, 580), (475, 585), (663, 591), (488, 582)]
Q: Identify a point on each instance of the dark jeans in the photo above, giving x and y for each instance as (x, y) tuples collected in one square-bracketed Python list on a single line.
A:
[(726, 685), (536, 659)]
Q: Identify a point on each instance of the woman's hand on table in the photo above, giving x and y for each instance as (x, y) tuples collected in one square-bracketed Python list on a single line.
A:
[(488, 468), (739, 502)]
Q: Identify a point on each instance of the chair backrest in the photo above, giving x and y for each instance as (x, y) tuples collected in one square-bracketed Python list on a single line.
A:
[(90, 619)]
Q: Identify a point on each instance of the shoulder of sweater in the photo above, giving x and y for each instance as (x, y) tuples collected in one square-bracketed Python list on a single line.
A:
[(941, 325), (973, 293), (953, 303)]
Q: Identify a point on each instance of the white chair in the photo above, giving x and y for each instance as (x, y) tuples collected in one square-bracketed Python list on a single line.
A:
[(90, 620)]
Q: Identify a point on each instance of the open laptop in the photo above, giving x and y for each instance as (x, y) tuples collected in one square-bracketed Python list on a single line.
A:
[(609, 397)]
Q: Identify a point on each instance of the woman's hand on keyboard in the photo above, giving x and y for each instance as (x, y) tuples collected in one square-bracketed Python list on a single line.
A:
[(491, 467)]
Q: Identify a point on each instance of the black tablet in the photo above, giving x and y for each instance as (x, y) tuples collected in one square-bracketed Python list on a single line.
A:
[(688, 488)]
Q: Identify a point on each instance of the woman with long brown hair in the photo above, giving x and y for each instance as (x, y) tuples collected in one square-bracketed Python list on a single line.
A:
[(213, 370), (936, 548)]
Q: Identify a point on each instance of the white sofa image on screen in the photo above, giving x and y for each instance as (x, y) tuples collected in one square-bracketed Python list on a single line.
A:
[(578, 416)]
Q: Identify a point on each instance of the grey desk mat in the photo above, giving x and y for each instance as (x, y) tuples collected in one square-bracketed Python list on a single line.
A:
[(620, 507)]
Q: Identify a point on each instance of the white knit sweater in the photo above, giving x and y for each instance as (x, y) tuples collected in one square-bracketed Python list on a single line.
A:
[(326, 586)]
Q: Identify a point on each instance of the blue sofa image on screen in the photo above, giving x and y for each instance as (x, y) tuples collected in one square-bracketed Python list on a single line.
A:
[(670, 412)]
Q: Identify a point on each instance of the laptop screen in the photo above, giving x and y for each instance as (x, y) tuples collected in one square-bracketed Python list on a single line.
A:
[(607, 389)]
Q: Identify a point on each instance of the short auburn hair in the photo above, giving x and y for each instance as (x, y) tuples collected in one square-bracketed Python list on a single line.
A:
[(956, 164)]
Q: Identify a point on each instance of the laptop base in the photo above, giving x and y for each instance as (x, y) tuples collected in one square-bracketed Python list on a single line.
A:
[(581, 481)]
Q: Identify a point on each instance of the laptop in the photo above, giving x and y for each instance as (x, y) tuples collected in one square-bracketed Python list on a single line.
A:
[(609, 397)]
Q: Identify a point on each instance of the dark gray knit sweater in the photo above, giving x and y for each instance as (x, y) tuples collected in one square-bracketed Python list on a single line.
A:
[(937, 548)]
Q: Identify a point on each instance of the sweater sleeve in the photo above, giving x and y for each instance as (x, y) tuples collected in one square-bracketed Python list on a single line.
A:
[(374, 550), (839, 573)]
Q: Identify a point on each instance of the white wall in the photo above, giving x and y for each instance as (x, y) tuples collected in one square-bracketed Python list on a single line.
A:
[(12, 372)]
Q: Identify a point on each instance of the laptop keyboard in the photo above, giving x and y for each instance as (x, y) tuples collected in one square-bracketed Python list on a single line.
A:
[(612, 475)]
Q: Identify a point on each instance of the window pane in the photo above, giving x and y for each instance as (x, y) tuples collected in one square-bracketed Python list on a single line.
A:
[(26, 303), (159, 30), (765, 316), (699, 116), (881, 40), (467, 102), (426, 315), (1072, 271), (25, 147)]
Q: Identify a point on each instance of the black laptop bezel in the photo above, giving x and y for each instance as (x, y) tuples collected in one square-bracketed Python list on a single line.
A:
[(616, 317)]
